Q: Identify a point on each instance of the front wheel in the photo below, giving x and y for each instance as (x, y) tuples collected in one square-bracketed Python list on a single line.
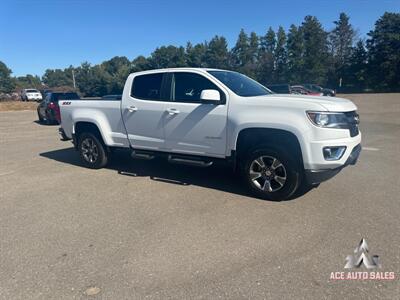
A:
[(271, 173), (92, 151)]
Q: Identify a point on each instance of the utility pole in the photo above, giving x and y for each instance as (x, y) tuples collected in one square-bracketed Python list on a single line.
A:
[(73, 78)]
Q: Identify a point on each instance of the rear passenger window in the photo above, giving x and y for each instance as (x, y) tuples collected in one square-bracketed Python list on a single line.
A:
[(147, 87)]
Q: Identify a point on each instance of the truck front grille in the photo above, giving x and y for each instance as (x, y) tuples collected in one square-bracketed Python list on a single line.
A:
[(353, 120)]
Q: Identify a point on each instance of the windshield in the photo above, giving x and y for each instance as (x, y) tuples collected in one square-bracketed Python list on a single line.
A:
[(32, 91), (316, 87), (240, 84)]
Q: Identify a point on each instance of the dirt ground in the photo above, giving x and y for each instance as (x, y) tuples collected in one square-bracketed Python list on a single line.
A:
[(17, 105)]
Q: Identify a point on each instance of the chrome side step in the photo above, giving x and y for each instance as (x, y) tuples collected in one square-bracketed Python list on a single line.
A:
[(184, 160), (172, 158)]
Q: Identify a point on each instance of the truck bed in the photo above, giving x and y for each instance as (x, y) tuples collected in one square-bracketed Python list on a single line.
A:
[(108, 118)]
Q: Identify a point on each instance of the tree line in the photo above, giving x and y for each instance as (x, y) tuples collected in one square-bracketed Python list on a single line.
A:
[(304, 54)]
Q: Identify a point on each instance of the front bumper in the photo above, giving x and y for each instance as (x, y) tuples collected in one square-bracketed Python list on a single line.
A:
[(314, 177)]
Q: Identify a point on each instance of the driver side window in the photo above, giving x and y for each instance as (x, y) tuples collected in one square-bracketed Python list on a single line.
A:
[(187, 87)]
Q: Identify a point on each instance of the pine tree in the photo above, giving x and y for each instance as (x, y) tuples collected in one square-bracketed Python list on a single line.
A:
[(7, 83), (216, 55), (384, 54), (280, 57), (315, 51), (92, 81), (266, 58), (57, 78), (342, 39), (253, 47), (268, 41), (240, 52), (28, 81), (358, 67), (195, 55), (140, 63), (250, 66), (295, 52), (114, 64), (168, 57)]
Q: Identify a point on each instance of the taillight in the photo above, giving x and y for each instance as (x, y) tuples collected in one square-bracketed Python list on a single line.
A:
[(58, 113), (56, 110)]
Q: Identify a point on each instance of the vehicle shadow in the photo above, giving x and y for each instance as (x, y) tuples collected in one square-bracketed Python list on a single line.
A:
[(45, 124), (218, 176)]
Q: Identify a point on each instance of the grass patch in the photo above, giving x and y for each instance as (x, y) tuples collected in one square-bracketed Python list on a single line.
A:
[(17, 105)]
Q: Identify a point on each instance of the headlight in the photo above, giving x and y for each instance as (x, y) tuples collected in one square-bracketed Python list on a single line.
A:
[(328, 119)]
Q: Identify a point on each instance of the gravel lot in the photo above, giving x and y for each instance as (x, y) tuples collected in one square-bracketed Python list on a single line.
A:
[(180, 232)]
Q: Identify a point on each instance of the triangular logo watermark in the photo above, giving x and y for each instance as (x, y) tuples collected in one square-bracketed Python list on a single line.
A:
[(361, 257)]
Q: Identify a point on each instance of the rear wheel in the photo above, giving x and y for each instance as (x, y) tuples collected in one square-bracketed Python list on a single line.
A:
[(64, 136), (271, 173), (92, 151), (40, 118)]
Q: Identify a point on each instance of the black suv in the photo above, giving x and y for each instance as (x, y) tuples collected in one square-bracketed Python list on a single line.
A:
[(317, 88), (280, 88), (49, 110)]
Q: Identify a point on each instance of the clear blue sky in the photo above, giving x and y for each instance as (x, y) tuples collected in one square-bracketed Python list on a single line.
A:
[(40, 34)]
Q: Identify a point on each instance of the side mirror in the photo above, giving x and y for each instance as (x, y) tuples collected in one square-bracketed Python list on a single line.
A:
[(212, 96)]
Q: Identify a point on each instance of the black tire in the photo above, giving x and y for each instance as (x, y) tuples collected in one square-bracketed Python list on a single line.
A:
[(40, 118), (85, 143), (50, 118), (63, 136), (46, 120), (276, 190)]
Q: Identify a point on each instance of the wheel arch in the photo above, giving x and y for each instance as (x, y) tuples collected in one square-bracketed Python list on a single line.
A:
[(88, 127), (249, 138)]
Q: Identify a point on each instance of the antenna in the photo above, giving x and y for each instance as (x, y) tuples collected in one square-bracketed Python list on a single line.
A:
[(73, 78)]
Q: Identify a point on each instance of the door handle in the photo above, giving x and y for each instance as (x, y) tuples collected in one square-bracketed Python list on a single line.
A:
[(172, 111), (132, 108)]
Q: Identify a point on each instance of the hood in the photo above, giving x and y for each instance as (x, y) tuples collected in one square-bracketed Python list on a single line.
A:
[(334, 104)]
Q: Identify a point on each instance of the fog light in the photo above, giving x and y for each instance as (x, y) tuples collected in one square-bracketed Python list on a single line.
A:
[(334, 153)]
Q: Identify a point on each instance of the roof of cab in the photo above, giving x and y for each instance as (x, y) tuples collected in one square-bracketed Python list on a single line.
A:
[(177, 69)]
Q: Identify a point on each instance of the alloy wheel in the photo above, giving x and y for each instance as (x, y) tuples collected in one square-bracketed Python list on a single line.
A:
[(90, 151), (267, 174)]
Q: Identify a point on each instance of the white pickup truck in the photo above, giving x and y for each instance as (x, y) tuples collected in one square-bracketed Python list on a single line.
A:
[(279, 143)]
